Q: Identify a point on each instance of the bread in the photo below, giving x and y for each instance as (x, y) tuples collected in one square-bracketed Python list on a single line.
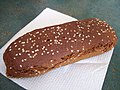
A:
[(45, 49)]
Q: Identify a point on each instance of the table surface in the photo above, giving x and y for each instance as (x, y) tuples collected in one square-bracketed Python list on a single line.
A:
[(15, 14)]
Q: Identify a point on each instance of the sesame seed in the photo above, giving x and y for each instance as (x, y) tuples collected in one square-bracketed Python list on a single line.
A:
[(14, 58), (15, 45), (32, 51), (78, 26), (23, 45), (88, 25), (50, 43), (37, 45), (34, 44), (43, 31), (51, 60), (30, 38), (90, 40), (67, 49), (43, 47), (67, 41), (93, 36), (37, 32), (86, 36), (82, 27), (115, 36), (34, 36), (40, 33), (27, 41), (32, 41), (34, 55), (57, 51), (36, 50), (31, 66), (67, 32), (102, 39), (19, 53), (53, 32), (71, 50), (31, 47), (112, 31), (38, 72), (111, 28), (48, 52), (38, 37), (16, 54), (60, 40), (22, 60), (10, 67), (89, 43), (79, 35), (27, 51), (52, 64), (83, 39), (41, 53), (88, 30), (71, 46), (83, 48), (30, 34), (23, 50), (20, 65), (75, 39), (74, 35), (72, 40), (10, 49), (58, 27), (78, 50), (51, 50), (106, 25), (45, 34), (19, 41), (53, 53), (61, 43), (69, 38), (108, 36), (99, 34), (22, 42), (65, 37)]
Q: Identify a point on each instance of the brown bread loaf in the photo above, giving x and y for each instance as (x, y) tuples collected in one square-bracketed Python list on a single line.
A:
[(44, 49)]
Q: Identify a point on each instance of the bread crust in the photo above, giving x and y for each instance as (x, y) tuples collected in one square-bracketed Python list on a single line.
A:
[(45, 49)]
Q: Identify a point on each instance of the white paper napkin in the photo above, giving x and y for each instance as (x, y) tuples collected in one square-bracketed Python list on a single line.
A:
[(87, 74)]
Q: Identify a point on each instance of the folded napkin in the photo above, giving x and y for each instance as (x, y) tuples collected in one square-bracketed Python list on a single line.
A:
[(87, 74)]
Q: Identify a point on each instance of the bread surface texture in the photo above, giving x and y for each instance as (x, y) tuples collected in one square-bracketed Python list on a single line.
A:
[(45, 49)]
